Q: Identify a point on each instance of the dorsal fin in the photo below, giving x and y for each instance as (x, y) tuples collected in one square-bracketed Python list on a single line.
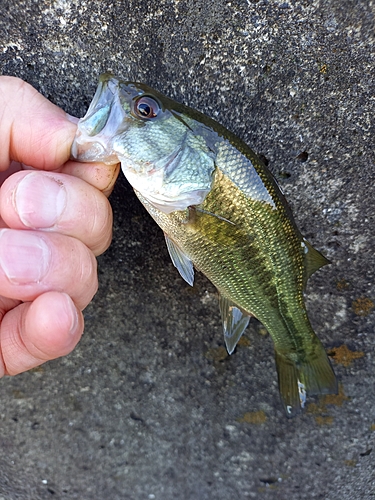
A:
[(313, 260), (234, 322)]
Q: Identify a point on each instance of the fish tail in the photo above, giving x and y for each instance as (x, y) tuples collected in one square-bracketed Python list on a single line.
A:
[(304, 375)]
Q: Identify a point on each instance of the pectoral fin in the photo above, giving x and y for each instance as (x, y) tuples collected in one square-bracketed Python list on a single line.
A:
[(234, 322), (183, 264)]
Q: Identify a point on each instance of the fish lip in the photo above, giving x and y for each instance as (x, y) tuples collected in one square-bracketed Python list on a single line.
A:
[(92, 151)]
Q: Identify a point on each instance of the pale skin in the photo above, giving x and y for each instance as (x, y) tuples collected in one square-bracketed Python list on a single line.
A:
[(55, 218)]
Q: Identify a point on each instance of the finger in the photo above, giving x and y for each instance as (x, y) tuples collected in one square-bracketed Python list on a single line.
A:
[(57, 202), (33, 130), (37, 133), (33, 262), (33, 333), (102, 177)]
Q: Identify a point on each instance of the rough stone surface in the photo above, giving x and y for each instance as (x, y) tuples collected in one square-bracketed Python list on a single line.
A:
[(147, 407)]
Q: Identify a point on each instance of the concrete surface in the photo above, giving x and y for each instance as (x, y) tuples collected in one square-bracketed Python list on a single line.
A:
[(147, 407)]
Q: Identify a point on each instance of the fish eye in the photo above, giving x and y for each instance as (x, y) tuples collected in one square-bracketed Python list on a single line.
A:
[(146, 108)]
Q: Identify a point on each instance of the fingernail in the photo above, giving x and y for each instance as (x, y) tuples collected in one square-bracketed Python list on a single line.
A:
[(39, 200), (71, 313), (24, 256)]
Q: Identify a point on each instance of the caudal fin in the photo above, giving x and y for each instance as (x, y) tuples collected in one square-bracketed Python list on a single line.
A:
[(309, 375)]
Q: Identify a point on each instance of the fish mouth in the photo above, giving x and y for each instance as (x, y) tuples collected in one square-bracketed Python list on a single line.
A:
[(105, 119)]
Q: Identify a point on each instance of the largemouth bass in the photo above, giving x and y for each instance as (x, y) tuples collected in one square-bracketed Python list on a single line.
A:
[(223, 213)]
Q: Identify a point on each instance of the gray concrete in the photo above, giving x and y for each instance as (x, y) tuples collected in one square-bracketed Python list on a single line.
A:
[(145, 408)]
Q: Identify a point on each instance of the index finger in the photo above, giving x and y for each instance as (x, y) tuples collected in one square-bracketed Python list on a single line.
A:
[(39, 134), (33, 130)]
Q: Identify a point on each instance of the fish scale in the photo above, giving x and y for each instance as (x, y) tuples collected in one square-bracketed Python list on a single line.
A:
[(223, 213)]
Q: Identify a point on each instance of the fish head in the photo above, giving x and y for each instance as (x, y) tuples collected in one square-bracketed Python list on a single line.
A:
[(166, 153)]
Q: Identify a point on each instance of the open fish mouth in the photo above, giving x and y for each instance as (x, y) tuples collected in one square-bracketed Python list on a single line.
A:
[(105, 119)]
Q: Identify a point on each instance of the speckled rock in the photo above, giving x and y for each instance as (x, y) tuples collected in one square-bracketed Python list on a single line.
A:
[(148, 406)]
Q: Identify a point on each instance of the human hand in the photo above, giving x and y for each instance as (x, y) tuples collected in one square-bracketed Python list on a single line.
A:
[(54, 220)]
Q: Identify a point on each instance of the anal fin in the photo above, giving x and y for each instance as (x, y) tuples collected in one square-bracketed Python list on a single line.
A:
[(181, 262), (310, 375), (234, 322)]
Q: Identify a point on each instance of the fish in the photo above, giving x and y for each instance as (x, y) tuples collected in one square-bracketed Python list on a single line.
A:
[(222, 213)]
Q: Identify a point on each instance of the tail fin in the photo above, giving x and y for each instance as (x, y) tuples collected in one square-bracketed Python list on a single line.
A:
[(312, 374)]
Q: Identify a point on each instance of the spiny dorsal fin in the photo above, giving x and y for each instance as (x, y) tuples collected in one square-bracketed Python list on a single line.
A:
[(182, 263), (234, 322), (314, 260)]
